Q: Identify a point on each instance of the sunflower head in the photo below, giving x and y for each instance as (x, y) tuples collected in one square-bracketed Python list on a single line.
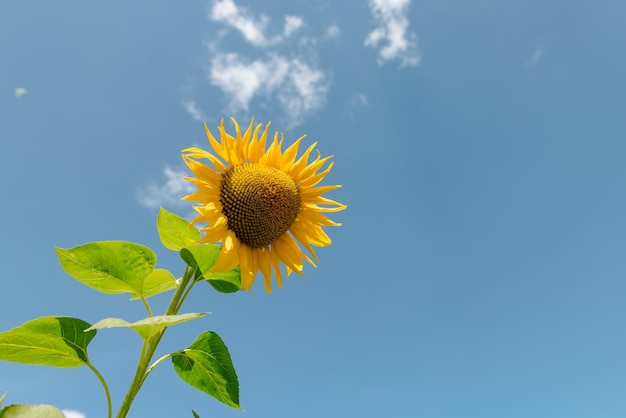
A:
[(261, 202)]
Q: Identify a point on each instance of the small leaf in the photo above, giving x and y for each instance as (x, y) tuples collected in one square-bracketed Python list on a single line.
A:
[(109, 266), (227, 282), (146, 328), (4, 395), (206, 365), (30, 411), (175, 232), (202, 257), (159, 281), (194, 414), (55, 341)]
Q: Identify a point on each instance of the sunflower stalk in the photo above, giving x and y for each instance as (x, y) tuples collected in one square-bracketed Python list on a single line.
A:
[(150, 345)]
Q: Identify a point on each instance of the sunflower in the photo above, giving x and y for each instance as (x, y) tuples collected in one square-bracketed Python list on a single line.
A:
[(260, 202)]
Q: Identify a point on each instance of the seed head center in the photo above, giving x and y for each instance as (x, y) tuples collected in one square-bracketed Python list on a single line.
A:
[(260, 203)]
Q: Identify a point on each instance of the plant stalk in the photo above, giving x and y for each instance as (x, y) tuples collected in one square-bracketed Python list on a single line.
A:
[(150, 345)]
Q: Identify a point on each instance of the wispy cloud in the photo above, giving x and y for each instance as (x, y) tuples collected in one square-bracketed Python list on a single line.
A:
[(296, 86), (391, 36), (73, 414), (191, 108), (168, 193), (280, 71), (357, 101), (534, 59), (332, 32), (292, 24), (252, 29)]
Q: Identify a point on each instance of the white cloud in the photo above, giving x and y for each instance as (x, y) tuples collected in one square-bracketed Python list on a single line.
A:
[(292, 24), (191, 108), (20, 91), (252, 29), (73, 414), (391, 35), (168, 193), (279, 72), (298, 87), (242, 79), (303, 92)]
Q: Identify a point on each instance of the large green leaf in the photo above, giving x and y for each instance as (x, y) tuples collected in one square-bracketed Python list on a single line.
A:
[(175, 232), (30, 411), (206, 365), (157, 282), (202, 257), (146, 328), (109, 266), (48, 341)]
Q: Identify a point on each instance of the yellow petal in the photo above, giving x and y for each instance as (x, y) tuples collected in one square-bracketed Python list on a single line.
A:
[(246, 267), (229, 255)]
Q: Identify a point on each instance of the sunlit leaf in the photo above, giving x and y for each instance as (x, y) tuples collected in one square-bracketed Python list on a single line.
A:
[(48, 341), (174, 231), (206, 365), (202, 257), (146, 328), (4, 395), (109, 266), (225, 282), (157, 282), (30, 411)]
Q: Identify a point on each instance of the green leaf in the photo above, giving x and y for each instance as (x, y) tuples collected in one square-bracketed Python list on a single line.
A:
[(195, 415), (175, 232), (109, 266), (157, 282), (30, 411), (226, 282), (202, 257), (206, 365), (146, 328), (4, 395), (55, 341)]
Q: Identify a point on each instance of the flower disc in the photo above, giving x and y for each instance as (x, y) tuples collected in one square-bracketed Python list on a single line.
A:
[(260, 203)]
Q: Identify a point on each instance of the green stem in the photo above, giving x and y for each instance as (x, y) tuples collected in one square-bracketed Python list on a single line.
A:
[(184, 296), (147, 305), (105, 386), (156, 363), (150, 346)]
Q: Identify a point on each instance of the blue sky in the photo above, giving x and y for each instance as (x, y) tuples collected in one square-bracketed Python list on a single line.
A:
[(480, 268)]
